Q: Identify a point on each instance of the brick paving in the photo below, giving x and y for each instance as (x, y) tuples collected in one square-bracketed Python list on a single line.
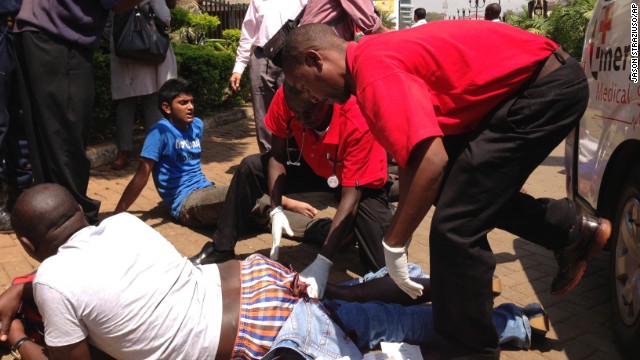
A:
[(581, 325)]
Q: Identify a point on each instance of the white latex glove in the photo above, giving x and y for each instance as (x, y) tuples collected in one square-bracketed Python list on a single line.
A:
[(279, 222), (396, 261), (316, 275)]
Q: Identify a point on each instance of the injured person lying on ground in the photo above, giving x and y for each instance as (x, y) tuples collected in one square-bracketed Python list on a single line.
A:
[(153, 303)]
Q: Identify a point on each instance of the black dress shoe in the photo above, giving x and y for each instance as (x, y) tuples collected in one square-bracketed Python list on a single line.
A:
[(210, 255), (593, 234)]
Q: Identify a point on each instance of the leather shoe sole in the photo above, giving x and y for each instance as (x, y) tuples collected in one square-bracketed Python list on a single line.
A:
[(571, 271)]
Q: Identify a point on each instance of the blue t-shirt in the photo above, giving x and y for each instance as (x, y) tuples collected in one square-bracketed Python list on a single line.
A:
[(177, 171)]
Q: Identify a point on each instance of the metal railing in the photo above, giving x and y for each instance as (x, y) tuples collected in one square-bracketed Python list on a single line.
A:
[(230, 14)]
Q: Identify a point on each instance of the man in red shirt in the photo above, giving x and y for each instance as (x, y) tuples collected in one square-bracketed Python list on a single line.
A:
[(467, 135), (335, 153)]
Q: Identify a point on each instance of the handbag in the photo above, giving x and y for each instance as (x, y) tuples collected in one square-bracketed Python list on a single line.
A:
[(273, 48), (139, 35)]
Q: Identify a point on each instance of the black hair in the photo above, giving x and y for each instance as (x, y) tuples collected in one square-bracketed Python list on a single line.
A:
[(492, 11), (420, 13), (171, 89)]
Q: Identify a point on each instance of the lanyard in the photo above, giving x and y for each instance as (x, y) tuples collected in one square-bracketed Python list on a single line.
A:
[(304, 131), (332, 180)]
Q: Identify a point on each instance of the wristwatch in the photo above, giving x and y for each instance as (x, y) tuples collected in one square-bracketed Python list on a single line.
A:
[(15, 353)]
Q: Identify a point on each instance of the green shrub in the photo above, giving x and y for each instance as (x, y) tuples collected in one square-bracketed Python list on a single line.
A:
[(179, 18), (103, 107), (208, 71)]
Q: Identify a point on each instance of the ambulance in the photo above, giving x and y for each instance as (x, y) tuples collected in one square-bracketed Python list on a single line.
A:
[(602, 155)]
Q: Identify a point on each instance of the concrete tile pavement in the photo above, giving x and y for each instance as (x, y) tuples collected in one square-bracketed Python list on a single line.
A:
[(581, 326)]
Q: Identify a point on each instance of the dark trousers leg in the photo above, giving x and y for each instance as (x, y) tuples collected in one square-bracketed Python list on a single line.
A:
[(242, 206), (13, 144), (58, 100), (7, 64), (483, 181), (371, 223), (265, 79)]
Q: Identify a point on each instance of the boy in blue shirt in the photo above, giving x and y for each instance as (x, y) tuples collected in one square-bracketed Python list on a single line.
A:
[(171, 152)]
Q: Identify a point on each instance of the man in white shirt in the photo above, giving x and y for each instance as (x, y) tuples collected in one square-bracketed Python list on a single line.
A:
[(492, 12), (419, 16), (263, 20), (124, 289)]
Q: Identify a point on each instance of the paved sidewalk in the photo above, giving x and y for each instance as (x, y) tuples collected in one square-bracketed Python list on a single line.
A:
[(581, 326)]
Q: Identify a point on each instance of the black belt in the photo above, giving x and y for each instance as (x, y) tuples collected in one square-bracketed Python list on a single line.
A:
[(557, 58)]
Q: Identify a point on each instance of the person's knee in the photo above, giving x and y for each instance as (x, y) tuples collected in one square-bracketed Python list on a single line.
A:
[(250, 164)]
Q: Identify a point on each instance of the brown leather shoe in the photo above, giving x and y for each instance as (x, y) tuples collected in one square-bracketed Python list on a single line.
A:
[(121, 161), (593, 234)]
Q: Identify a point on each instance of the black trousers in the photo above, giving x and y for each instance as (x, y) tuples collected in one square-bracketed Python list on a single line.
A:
[(242, 208), (481, 192), (14, 154), (56, 89)]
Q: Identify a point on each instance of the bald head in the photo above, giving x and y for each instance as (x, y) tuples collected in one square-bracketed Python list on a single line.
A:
[(308, 37), (45, 216)]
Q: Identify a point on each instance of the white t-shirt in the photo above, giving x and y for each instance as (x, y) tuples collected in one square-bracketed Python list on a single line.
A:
[(127, 289)]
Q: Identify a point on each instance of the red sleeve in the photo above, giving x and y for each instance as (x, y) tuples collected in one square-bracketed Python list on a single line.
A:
[(278, 115), (364, 160), (398, 119)]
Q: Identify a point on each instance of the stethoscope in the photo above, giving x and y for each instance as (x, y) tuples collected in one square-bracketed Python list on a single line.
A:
[(332, 181)]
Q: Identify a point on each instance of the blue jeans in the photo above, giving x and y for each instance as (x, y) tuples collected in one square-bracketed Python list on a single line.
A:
[(368, 324), (512, 325), (310, 331), (314, 333)]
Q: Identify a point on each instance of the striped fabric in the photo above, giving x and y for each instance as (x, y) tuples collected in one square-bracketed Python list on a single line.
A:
[(269, 292)]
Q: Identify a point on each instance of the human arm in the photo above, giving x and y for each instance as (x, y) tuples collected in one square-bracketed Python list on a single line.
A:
[(276, 177), (29, 350), (135, 186), (419, 181), (161, 9), (382, 289), (76, 351), (363, 15), (318, 272), (247, 36), (10, 301)]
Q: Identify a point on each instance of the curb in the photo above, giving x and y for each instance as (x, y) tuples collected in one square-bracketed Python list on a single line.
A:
[(102, 154)]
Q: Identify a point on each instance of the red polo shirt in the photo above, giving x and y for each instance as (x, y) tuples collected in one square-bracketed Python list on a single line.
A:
[(440, 78), (361, 161)]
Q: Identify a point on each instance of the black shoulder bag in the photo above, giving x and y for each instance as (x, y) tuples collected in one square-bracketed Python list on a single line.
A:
[(273, 47), (140, 35)]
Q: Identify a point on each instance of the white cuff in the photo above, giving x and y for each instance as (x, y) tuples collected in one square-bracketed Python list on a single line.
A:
[(277, 209), (395, 250)]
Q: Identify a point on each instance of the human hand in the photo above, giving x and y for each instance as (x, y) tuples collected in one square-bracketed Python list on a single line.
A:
[(9, 306), (316, 275), (234, 81), (279, 222), (396, 261), (300, 207), (16, 332)]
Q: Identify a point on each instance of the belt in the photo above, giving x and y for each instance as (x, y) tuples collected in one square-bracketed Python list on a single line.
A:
[(557, 58), (230, 284)]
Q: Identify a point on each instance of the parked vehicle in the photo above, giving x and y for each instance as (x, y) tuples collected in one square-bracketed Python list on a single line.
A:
[(602, 157)]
